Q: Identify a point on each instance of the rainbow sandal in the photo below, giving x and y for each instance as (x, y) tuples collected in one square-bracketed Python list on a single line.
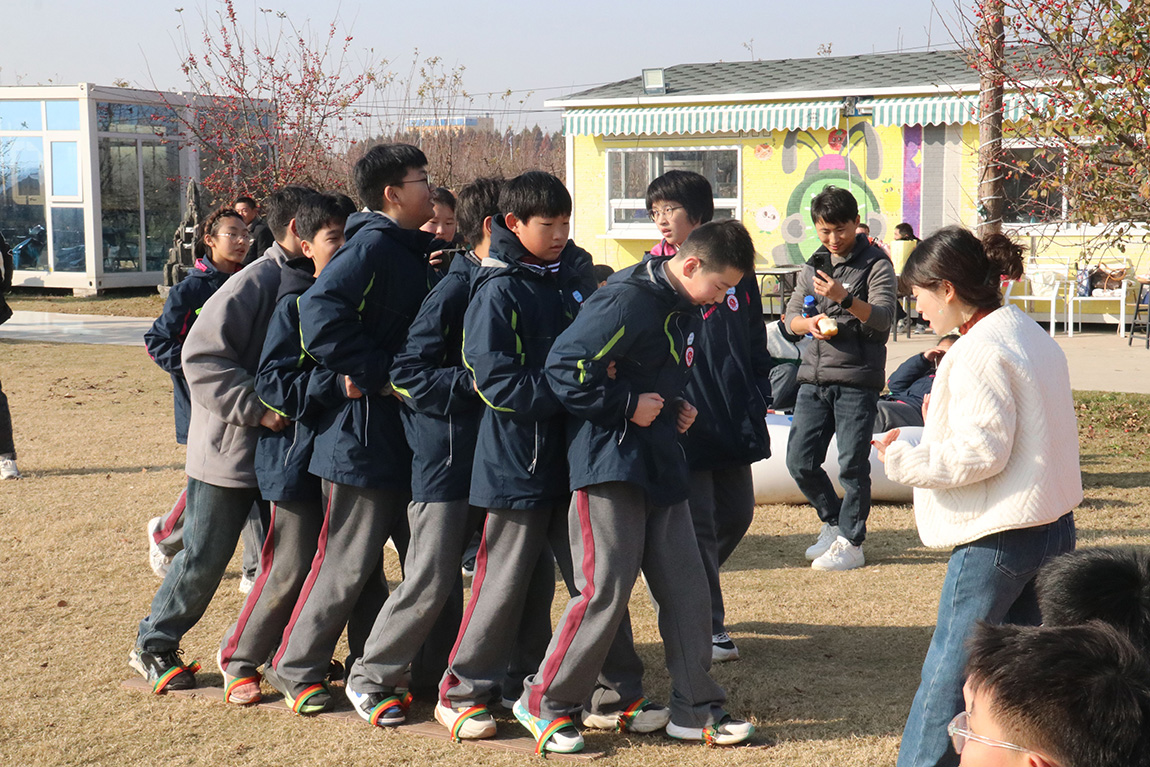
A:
[(466, 723), (164, 669), (300, 697), (380, 709), (558, 736)]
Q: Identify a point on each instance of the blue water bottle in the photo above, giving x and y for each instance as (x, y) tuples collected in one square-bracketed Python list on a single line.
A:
[(810, 309)]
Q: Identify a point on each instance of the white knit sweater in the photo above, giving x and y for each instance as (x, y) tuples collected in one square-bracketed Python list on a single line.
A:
[(1000, 446)]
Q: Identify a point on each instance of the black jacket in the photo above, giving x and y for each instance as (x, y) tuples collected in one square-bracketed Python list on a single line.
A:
[(642, 324), (442, 412), (6, 267), (911, 381), (353, 321), (517, 311), (165, 339)]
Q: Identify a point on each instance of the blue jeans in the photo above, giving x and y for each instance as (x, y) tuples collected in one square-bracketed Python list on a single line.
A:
[(992, 580), (213, 520), (848, 413)]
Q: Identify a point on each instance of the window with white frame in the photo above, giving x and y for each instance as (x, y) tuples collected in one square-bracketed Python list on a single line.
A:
[(630, 171), (1032, 184)]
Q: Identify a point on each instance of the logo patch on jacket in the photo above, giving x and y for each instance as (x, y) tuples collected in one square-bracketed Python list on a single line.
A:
[(732, 302), (690, 356), (577, 296)]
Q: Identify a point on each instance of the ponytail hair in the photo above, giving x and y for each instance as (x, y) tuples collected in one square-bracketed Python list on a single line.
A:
[(974, 267)]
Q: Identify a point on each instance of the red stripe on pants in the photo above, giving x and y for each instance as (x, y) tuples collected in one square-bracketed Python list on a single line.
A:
[(316, 564)]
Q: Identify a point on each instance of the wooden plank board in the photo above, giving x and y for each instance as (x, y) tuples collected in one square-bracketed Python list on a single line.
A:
[(424, 726)]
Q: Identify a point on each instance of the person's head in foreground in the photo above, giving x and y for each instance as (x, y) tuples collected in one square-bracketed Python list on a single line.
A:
[(954, 276), (1111, 585), (1067, 696), (536, 206), (712, 260)]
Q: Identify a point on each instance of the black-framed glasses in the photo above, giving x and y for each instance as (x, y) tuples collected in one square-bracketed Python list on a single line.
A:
[(424, 180), (959, 732)]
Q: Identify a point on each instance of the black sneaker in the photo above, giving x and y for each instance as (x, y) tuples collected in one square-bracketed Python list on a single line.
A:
[(380, 709), (164, 669)]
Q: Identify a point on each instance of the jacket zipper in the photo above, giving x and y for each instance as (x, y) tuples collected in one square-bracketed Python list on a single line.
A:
[(535, 457)]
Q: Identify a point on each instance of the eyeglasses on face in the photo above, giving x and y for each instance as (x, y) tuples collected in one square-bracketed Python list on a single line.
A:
[(665, 213), (959, 732), (424, 180), (234, 237)]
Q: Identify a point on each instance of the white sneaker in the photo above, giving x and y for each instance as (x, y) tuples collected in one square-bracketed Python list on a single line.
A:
[(842, 555), (159, 561), (247, 583), (726, 732), (8, 469), (466, 723), (826, 537), (722, 648)]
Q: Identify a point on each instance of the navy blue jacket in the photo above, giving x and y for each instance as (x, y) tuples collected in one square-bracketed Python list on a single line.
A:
[(165, 339), (643, 325), (289, 383), (443, 411), (911, 381), (354, 321), (517, 311), (731, 383)]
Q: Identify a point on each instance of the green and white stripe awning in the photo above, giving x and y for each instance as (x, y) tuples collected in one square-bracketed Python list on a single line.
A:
[(944, 110), (728, 118)]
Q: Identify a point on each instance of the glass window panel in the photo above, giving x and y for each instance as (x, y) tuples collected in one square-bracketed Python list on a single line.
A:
[(162, 194), (22, 218), (65, 169), (1031, 187), (20, 115), (68, 239), (150, 119), (120, 204), (629, 174), (63, 115)]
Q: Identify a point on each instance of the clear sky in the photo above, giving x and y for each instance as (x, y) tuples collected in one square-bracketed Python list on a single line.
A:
[(540, 49)]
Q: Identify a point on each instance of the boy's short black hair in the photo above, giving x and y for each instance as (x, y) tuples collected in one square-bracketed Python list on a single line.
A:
[(905, 230), (382, 166), (1105, 584), (834, 205), (535, 193), (441, 195), (281, 207), (246, 200), (322, 211), (601, 272), (475, 203), (689, 189), (1079, 695), (720, 245)]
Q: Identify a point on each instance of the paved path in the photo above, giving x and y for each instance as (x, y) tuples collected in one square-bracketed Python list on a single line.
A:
[(1099, 359)]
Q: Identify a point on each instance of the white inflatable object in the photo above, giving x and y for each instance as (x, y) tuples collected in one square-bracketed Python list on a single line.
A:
[(773, 483)]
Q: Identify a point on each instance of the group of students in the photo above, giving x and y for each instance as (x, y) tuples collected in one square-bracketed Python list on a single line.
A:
[(358, 383)]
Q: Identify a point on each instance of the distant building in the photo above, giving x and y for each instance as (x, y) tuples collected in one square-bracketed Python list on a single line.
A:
[(91, 184), (460, 124)]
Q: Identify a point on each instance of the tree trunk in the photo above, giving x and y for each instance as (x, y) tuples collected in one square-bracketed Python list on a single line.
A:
[(991, 61)]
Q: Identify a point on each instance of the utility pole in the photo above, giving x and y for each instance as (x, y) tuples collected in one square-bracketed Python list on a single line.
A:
[(991, 62)]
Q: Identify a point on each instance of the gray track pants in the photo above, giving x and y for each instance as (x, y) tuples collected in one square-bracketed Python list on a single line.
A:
[(615, 532), (285, 562), (512, 544), (439, 533), (722, 507), (345, 584)]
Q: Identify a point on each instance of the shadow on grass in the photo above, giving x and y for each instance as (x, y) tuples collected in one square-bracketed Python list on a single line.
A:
[(1123, 479), (82, 471)]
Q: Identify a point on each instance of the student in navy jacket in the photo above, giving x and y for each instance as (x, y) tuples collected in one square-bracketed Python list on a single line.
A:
[(731, 388), (288, 383), (353, 321), (621, 371), (527, 292), (164, 343), (441, 416), (909, 385)]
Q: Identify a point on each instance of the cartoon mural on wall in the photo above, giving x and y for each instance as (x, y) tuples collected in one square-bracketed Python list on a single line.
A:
[(833, 164)]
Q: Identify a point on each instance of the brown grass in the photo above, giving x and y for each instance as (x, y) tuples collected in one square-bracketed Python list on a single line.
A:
[(124, 302), (830, 661)]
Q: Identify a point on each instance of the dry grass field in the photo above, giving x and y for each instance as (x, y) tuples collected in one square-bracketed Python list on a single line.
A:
[(131, 302), (830, 660)]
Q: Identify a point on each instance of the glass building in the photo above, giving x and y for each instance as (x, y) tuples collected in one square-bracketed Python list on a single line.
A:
[(92, 184)]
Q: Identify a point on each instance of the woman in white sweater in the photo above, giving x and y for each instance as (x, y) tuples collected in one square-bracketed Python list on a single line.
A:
[(996, 475)]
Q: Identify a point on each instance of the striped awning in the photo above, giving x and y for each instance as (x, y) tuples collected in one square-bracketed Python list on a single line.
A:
[(728, 118), (944, 110)]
